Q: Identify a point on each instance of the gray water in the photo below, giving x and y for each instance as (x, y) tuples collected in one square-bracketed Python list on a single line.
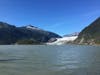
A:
[(49, 60)]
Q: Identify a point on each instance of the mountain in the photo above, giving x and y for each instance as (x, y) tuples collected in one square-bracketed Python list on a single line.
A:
[(10, 34), (73, 34), (90, 34)]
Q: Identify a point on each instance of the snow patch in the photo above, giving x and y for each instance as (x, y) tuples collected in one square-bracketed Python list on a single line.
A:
[(32, 27)]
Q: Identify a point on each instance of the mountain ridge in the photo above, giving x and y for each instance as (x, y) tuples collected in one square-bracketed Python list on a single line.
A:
[(10, 34), (90, 34)]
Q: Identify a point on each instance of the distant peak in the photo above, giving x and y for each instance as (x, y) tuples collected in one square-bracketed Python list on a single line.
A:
[(73, 34), (32, 27)]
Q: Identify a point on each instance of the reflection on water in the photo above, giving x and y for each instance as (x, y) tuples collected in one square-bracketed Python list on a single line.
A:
[(49, 60)]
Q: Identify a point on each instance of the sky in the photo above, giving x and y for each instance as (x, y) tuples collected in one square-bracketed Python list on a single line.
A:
[(59, 16)]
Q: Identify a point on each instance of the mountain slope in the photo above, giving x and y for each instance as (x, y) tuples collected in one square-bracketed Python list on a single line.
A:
[(10, 34), (91, 34)]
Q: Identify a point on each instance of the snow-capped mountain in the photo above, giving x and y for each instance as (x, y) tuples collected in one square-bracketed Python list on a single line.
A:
[(73, 34), (32, 27), (10, 34)]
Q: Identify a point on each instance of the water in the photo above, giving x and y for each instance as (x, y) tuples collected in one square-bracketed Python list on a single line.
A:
[(49, 60)]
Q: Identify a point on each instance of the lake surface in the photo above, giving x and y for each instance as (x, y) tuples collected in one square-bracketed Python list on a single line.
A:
[(49, 60)]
